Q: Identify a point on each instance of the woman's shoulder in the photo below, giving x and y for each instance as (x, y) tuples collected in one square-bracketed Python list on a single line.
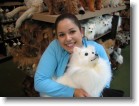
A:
[(55, 46), (54, 42), (93, 43)]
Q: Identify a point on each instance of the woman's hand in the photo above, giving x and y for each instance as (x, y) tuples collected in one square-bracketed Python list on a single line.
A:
[(80, 93)]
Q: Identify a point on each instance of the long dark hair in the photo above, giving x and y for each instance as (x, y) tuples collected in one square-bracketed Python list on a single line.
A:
[(67, 16)]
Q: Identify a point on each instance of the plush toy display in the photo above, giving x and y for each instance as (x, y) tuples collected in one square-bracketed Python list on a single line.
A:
[(112, 3), (116, 58), (97, 26), (64, 6), (122, 39), (108, 46), (117, 55), (91, 5), (31, 7), (106, 3), (88, 4), (98, 4), (86, 70), (125, 13), (113, 51), (90, 31), (35, 40)]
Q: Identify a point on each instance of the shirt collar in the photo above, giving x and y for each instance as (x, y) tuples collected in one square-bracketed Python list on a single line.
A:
[(84, 41)]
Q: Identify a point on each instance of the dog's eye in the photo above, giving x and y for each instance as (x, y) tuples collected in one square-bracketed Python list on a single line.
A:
[(92, 52), (86, 54)]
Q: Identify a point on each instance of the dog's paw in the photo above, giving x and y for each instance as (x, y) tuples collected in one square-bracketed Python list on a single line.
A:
[(18, 24), (9, 15)]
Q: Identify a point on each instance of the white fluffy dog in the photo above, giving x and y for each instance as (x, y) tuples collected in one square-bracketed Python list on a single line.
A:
[(90, 31), (86, 71)]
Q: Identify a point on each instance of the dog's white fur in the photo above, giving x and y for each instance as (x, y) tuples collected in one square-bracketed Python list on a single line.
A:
[(90, 31), (88, 72)]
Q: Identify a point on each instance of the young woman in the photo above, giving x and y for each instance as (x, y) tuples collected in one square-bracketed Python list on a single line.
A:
[(55, 58)]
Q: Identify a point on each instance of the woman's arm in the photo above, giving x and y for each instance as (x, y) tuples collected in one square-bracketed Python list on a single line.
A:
[(45, 71)]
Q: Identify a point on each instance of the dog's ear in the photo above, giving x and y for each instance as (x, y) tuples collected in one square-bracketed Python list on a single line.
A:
[(91, 48)]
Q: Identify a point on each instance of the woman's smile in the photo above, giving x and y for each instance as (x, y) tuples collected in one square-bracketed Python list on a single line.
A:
[(69, 35)]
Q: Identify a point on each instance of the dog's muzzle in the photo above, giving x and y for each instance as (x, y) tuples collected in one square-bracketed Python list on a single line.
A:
[(96, 56)]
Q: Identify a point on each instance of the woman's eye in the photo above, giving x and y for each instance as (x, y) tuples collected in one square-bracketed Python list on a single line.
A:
[(61, 35), (92, 52), (72, 32), (86, 54)]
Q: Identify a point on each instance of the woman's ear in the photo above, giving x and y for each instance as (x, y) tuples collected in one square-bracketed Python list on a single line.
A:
[(54, 34)]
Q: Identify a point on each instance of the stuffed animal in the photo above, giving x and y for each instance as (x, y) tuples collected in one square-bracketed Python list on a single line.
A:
[(35, 40), (31, 7), (91, 5), (125, 13), (64, 6), (88, 4), (106, 3), (121, 2), (125, 24), (90, 31), (108, 46), (116, 58), (86, 70), (114, 3), (98, 4), (26, 56), (75, 7), (84, 4), (108, 19), (102, 24), (45, 39), (122, 39)]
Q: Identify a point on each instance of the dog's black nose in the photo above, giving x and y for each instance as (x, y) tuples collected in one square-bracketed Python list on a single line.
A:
[(96, 55)]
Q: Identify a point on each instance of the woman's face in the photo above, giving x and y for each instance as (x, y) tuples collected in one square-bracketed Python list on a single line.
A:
[(69, 35)]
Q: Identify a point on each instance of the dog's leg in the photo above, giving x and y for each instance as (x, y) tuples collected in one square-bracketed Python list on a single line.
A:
[(27, 14), (15, 11)]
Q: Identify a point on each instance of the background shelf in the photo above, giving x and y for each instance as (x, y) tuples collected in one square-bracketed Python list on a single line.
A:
[(11, 4), (51, 18)]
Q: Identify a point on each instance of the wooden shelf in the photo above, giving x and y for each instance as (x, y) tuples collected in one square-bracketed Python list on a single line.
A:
[(99, 36), (51, 18), (11, 4)]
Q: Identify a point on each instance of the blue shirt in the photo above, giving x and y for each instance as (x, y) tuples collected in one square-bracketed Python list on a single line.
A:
[(53, 63)]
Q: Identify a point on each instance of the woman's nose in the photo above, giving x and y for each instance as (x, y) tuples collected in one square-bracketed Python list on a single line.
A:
[(68, 37)]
